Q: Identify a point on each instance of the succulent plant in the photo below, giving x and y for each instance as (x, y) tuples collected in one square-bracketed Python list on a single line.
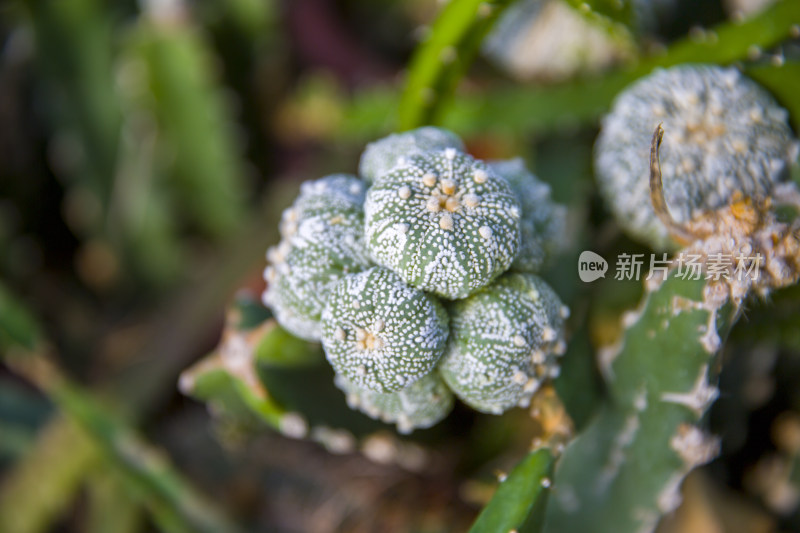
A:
[(336, 194), (542, 222), (503, 343), (418, 406), (439, 223), (383, 155), (381, 334), (725, 136), (444, 222), (322, 241)]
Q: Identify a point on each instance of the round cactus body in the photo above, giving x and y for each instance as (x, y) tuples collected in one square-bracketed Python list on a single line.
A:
[(381, 334), (503, 343), (418, 406), (444, 222), (325, 198), (723, 135), (383, 155), (323, 240), (542, 223), (299, 280)]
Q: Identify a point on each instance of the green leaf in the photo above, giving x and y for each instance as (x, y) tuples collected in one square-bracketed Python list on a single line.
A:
[(783, 81), (607, 12), (44, 482), (519, 501), (443, 57)]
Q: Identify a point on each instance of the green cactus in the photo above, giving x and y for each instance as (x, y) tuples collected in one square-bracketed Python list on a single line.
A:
[(322, 242), (444, 223), (504, 342), (383, 155), (542, 223), (438, 223), (420, 405), (624, 471), (725, 136), (381, 334)]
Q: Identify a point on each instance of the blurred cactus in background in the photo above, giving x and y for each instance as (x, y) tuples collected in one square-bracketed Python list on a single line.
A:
[(417, 352)]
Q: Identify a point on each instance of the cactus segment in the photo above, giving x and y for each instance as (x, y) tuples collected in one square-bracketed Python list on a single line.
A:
[(322, 242), (624, 471), (381, 334), (418, 406), (383, 155), (445, 223), (504, 341), (724, 136), (542, 223)]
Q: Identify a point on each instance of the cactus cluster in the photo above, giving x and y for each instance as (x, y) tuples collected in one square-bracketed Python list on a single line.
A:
[(419, 278)]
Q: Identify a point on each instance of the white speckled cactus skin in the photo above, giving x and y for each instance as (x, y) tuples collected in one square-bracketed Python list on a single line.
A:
[(723, 134), (503, 342), (329, 196), (383, 155), (419, 406), (445, 223), (381, 334), (322, 241), (542, 223)]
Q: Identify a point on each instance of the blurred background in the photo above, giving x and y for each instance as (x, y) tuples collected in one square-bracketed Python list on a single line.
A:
[(147, 150)]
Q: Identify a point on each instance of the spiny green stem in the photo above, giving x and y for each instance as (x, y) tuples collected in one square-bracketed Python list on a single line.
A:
[(443, 58), (624, 471)]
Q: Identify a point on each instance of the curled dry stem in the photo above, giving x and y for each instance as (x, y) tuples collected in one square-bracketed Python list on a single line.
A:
[(676, 230)]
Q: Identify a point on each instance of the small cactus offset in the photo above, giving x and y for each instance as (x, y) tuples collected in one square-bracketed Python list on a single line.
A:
[(444, 222), (381, 334), (504, 343), (420, 405), (322, 240), (385, 154), (542, 225)]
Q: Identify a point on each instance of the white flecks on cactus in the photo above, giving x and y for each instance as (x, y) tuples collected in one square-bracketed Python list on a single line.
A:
[(694, 446), (393, 334), (420, 405), (323, 240), (699, 398), (461, 222), (383, 155), (543, 221), (298, 287), (327, 197), (497, 354), (724, 135)]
